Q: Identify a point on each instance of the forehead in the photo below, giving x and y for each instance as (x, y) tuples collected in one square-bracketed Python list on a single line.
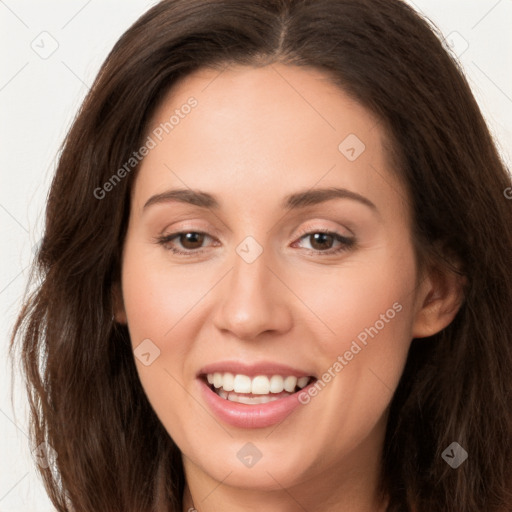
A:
[(265, 99), (259, 130)]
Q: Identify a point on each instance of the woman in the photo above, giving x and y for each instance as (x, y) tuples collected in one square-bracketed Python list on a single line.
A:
[(275, 272)]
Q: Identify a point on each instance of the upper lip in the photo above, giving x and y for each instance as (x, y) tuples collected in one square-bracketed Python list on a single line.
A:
[(251, 370)]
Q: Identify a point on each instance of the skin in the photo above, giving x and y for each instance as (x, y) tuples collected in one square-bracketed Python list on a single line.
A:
[(257, 135)]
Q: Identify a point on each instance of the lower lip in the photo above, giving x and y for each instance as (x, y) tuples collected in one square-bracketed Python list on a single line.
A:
[(250, 416)]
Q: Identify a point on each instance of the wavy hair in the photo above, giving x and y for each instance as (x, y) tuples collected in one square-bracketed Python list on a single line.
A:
[(109, 451)]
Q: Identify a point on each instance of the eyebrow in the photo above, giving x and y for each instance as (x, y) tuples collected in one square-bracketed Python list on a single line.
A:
[(293, 201)]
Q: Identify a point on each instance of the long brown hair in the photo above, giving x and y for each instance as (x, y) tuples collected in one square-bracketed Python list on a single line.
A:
[(86, 401)]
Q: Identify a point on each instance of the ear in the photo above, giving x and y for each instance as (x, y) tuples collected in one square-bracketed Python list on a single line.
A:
[(118, 304), (439, 299)]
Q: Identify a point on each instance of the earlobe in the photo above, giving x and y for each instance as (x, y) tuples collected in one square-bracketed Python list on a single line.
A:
[(118, 304), (441, 298)]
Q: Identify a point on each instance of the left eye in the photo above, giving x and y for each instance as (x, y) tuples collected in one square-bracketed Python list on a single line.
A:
[(322, 241), (192, 242)]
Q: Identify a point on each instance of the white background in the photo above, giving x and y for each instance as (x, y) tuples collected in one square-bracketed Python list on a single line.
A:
[(39, 98)]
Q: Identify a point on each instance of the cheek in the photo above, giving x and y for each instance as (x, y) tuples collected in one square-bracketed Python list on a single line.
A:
[(157, 295), (159, 303), (359, 301), (366, 308), (375, 327), (368, 311)]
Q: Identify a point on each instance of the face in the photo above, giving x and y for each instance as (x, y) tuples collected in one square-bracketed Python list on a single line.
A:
[(283, 273)]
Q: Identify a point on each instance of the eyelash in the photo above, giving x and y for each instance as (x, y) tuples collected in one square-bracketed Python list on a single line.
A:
[(347, 243)]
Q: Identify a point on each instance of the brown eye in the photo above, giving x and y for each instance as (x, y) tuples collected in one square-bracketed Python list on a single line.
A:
[(321, 241), (326, 242), (191, 240), (185, 243)]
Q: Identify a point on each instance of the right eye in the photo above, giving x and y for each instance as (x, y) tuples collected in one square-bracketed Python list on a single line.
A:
[(191, 241)]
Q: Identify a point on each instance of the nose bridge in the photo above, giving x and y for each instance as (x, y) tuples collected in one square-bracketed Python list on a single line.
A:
[(251, 301), (251, 263)]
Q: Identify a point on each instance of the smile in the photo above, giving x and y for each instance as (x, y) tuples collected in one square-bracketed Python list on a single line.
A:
[(252, 395), (260, 389)]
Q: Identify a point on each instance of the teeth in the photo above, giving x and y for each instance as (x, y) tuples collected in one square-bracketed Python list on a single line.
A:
[(241, 399), (242, 384), (228, 382), (302, 381), (276, 384), (259, 385), (290, 383), (217, 380)]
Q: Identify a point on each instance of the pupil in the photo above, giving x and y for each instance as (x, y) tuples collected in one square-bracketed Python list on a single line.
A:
[(322, 237), (192, 238)]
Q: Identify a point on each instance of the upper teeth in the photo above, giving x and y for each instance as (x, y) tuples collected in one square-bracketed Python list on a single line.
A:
[(259, 385)]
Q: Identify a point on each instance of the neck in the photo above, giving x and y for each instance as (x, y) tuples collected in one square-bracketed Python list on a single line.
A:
[(287, 504), (329, 491)]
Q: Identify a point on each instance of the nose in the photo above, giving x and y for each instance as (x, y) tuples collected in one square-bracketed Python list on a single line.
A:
[(253, 300)]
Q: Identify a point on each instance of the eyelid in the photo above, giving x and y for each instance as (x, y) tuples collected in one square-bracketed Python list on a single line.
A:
[(189, 226), (306, 229), (313, 226)]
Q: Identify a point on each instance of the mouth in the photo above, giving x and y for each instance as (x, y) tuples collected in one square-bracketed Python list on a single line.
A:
[(253, 395), (256, 390)]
